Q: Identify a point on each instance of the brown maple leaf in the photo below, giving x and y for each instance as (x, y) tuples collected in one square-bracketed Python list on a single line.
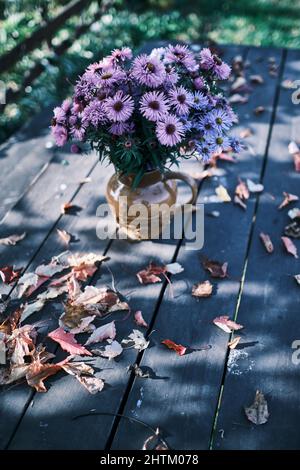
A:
[(215, 268), (202, 289), (8, 274)]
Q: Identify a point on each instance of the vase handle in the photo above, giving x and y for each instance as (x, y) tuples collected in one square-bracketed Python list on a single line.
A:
[(177, 175)]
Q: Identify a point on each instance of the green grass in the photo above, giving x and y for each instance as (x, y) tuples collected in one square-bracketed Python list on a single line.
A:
[(252, 22)]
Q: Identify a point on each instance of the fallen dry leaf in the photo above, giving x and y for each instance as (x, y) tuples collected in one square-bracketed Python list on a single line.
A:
[(233, 344), (259, 110), (256, 79), (84, 373), (112, 350), (202, 289), (297, 278), (222, 193), (138, 371), (236, 98), (139, 320), (9, 274), (246, 133), (296, 157), (293, 230), (64, 236), (174, 268), (287, 84), (215, 268), (238, 84), (242, 190), (265, 238), (226, 324), (294, 213), (67, 342), (239, 202), (289, 246), (107, 331), (288, 198), (254, 187), (258, 412), (293, 147), (137, 340), (12, 239), (150, 274), (157, 442), (178, 348)]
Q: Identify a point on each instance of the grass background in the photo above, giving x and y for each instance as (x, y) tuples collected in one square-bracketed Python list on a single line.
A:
[(129, 22)]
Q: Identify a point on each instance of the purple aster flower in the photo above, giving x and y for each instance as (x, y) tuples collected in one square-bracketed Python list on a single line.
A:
[(198, 83), (172, 76), (94, 114), (59, 115), (204, 151), (181, 55), (218, 143), (181, 99), (210, 61), (169, 131), (60, 135), (222, 71), (154, 105), (95, 67), (121, 54), (187, 123), (235, 144), (77, 130), (66, 105), (85, 87), (120, 128), (206, 125), (75, 148), (119, 108), (200, 101), (148, 71), (109, 77), (206, 59), (221, 119)]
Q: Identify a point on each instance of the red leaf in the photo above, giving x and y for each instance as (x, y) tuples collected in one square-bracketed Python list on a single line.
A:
[(180, 350), (150, 274), (267, 242), (67, 342), (8, 275), (227, 325), (215, 268), (289, 246)]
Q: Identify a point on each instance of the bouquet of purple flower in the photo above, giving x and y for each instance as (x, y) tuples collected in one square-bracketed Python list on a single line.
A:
[(150, 111)]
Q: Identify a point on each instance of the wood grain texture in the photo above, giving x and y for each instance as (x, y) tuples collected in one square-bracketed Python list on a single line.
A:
[(23, 158), (269, 307), (184, 404)]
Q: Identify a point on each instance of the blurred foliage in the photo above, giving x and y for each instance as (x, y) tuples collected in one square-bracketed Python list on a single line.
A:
[(130, 22)]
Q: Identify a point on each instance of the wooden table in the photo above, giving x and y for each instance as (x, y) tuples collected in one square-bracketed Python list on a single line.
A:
[(197, 400)]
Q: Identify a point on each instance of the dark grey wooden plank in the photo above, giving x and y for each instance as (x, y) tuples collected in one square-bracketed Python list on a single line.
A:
[(39, 209), (269, 308), (14, 400), (184, 405), (65, 399), (23, 158)]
